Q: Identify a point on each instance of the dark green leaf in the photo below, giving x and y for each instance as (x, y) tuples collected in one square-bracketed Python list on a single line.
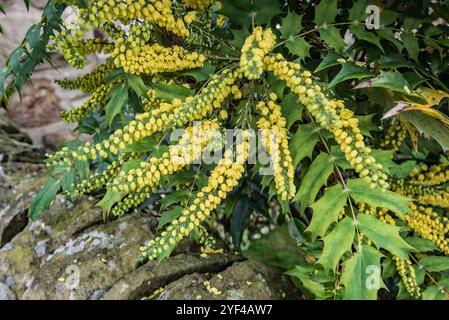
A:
[(298, 47), (291, 109), (325, 12), (336, 243), (303, 143), (362, 275), (82, 167), (170, 91), (421, 245), (294, 230), (291, 25), (411, 44), (118, 99), (143, 145), (391, 80), (331, 36), (435, 293), (276, 85), (367, 125), (326, 210), (43, 199), (169, 216), (136, 83), (383, 235), (315, 178), (175, 197), (329, 61), (429, 126), (109, 199), (361, 191), (435, 263), (350, 71), (201, 74), (68, 181), (240, 216)]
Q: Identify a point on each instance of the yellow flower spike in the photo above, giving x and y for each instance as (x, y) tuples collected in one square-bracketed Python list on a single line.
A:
[(210, 197), (255, 48), (88, 82), (394, 137), (176, 158), (328, 114), (95, 101), (163, 59), (407, 273), (275, 141)]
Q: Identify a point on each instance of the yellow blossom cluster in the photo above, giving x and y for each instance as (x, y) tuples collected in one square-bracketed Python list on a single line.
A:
[(190, 17), (168, 116), (429, 175), (407, 273), (394, 137), (331, 115), (438, 198), (275, 141), (188, 149), (132, 200), (198, 4), (223, 179), (158, 12), (380, 213), (75, 49), (428, 224), (256, 46), (434, 195), (95, 101), (138, 36), (98, 180), (88, 82), (151, 59)]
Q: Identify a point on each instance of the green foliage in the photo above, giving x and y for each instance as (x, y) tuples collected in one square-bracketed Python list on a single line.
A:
[(44, 198), (383, 235), (336, 243), (326, 210), (32, 50), (355, 277), (360, 191), (315, 178)]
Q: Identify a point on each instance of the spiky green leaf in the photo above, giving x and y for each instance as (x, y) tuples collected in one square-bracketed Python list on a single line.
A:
[(383, 235), (326, 209), (44, 198), (361, 191), (315, 178), (361, 275), (337, 243)]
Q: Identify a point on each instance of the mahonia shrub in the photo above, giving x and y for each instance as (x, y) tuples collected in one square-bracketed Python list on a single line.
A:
[(345, 99)]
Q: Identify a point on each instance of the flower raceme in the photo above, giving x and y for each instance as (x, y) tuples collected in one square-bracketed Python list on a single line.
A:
[(331, 115), (158, 12), (95, 101), (189, 148), (168, 116), (156, 59), (256, 46), (198, 4), (223, 179), (88, 82), (275, 139)]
